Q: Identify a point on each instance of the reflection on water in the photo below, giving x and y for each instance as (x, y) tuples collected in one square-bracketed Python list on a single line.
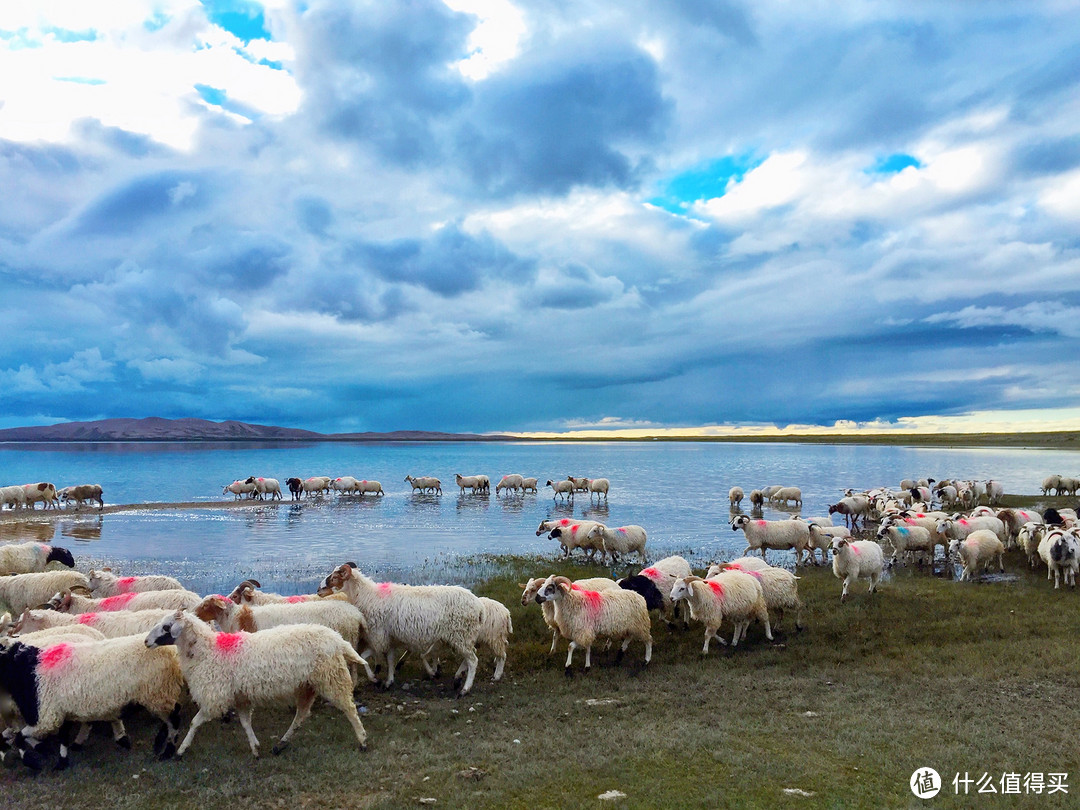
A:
[(89, 529), (598, 512), (24, 532)]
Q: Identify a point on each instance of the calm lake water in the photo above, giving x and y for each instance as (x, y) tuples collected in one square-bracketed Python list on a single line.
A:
[(677, 491)]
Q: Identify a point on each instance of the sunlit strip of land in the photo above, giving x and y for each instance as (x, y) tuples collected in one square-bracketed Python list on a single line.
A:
[(1059, 427)]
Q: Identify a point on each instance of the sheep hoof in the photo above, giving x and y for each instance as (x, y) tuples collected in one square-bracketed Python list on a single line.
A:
[(569, 673), (458, 681), (62, 764), (168, 752), (278, 747), (124, 742), (79, 746), (619, 657), (32, 760)]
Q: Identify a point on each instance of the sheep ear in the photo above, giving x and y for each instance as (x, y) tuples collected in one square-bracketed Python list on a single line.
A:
[(178, 615), (352, 565), (522, 586)]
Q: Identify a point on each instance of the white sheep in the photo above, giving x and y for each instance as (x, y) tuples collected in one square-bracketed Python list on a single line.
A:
[(1051, 485), (621, 540), (532, 587), (364, 486), (1061, 553), (529, 483), (959, 528), (757, 499), (12, 496), (264, 487), (663, 574), (104, 582), (512, 483), (784, 495), (248, 593), (583, 615), (1068, 485), (474, 483), (88, 681), (30, 590), (110, 624), (1029, 537), (31, 558), (852, 507), (495, 631), (172, 599), (821, 538), (735, 496), (578, 534), (734, 595), (906, 539), (738, 564), (995, 491), (240, 670), (239, 489), (779, 586), (1014, 520), (598, 487), (425, 483), (977, 550), (853, 559), (315, 485), (345, 485), (413, 617), (773, 534), (564, 488)]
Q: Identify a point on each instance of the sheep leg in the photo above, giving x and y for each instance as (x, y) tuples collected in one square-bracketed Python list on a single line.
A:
[(391, 663), (569, 658), (588, 657), (500, 662), (83, 733), (243, 712), (873, 583), (305, 698), (763, 614), (554, 638), (847, 581), (201, 716), (469, 653)]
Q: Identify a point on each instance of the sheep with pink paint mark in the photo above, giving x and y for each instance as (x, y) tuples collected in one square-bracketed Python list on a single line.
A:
[(619, 540), (240, 489), (264, 487), (242, 670), (773, 534), (67, 601), (248, 593), (89, 681), (734, 595), (104, 582), (578, 534), (779, 586), (532, 587), (582, 616), (857, 559), (22, 591), (111, 624), (977, 550), (663, 574)]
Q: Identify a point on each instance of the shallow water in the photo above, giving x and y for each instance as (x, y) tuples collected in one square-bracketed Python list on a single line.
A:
[(677, 491)]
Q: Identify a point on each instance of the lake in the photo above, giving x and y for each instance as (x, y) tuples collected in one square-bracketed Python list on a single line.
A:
[(676, 490)]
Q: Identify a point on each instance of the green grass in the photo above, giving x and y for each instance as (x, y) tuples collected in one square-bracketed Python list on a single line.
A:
[(928, 672)]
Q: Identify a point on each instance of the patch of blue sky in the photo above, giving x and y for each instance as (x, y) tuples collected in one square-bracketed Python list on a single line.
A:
[(219, 98), (241, 18), (264, 62), (67, 35), (703, 182), (894, 164), (157, 22), (79, 80)]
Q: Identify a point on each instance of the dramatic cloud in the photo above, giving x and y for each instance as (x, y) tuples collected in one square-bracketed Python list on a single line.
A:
[(521, 215)]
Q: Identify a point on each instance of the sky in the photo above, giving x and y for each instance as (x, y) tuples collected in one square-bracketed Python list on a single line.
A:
[(542, 215)]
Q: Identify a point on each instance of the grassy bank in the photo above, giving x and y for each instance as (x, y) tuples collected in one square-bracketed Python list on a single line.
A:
[(930, 672)]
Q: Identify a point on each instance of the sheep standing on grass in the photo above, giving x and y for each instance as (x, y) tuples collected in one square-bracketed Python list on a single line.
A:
[(88, 681), (31, 558), (773, 534), (1028, 538), (1014, 520), (578, 534), (240, 670), (582, 616), (532, 587), (734, 595), (620, 540), (663, 574), (855, 559), (413, 617), (248, 593), (977, 550), (495, 631), (780, 587), (111, 625), (1060, 551), (821, 538)]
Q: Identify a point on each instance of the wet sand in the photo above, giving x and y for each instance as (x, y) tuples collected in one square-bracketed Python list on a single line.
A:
[(49, 515)]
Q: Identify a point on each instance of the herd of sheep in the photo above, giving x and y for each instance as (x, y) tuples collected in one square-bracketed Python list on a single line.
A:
[(79, 647), (262, 488)]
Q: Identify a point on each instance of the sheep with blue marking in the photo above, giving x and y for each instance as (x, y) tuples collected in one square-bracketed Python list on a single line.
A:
[(31, 558), (30, 590)]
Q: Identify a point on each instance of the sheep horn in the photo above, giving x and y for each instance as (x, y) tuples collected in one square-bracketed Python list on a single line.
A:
[(252, 582)]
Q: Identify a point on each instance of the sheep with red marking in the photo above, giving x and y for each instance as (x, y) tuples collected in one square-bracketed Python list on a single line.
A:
[(365, 486), (734, 595), (88, 681), (907, 540), (265, 487), (977, 550), (1014, 520), (31, 558), (531, 588), (300, 662), (663, 574), (345, 485), (413, 617), (773, 534), (104, 582), (779, 586), (111, 624), (511, 483), (578, 534), (340, 616), (248, 593), (240, 489), (68, 602), (30, 590), (957, 528), (857, 559), (738, 564), (619, 540), (582, 616)]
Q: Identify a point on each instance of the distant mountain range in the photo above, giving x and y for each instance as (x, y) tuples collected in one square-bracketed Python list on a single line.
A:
[(156, 429)]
